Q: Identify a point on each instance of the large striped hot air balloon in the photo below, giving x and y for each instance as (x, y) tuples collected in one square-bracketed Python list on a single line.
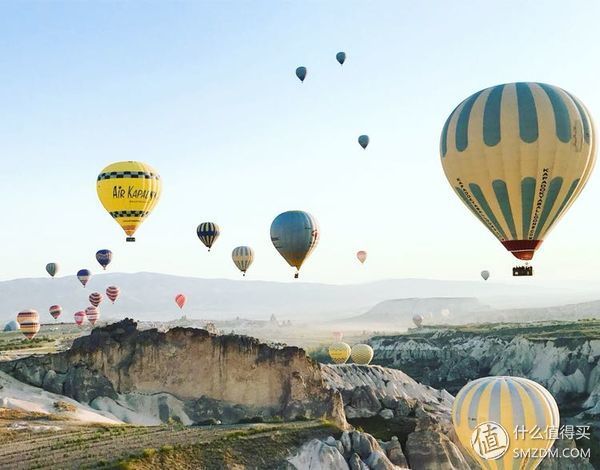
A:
[(518, 155), (339, 352), (129, 191), (362, 354), (112, 292), (494, 416), (242, 257), (29, 323), (104, 257), (95, 298), (93, 314), (84, 276), (180, 300), (52, 269), (55, 311), (295, 235), (208, 232), (79, 317)]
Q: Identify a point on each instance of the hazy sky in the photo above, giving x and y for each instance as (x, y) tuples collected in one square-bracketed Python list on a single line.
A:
[(206, 93)]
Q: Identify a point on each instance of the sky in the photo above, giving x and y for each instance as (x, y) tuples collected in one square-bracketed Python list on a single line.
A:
[(206, 93)]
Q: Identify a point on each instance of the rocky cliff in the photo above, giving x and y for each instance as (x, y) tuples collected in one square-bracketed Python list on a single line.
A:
[(185, 374)]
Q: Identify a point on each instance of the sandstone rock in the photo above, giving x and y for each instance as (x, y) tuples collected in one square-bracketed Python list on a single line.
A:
[(347, 443), (379, 461), (356, 463), (386, 414), (316, 455), (394, 452), (365, 402), (433, 451)]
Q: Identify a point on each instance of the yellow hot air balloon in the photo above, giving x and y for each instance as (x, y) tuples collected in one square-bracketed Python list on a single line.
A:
[(505, 422), (362, 354), (339, 352), (518, 155), (129, 191)]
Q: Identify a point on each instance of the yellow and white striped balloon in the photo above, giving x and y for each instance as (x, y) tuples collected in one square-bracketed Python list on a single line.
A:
[(339, 352), (518, 155), (242, 257), (362, 354), (497, 417)]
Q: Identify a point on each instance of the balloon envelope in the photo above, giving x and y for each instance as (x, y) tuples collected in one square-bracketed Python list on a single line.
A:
[(363, 140), (95, 298), (84, 276), (341, 57), (339, 352), (104, 257), (485, 275), (295, 235), (55, 311), (242, 257), (418, 320), (79, 317), (29, 323), (362, 256), (52, 269), (208, 232), (180, 300), (301, 73), (129, 191), (92, 313), (362, 354), (498, 407), (518, 155), (112, 292)]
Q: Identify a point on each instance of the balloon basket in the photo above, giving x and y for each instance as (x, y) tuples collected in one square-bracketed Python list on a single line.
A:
[(130, 239), (296, 275), (522, 271)]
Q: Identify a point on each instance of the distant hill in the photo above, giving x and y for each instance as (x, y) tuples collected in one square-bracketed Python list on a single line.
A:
[(150, 296)]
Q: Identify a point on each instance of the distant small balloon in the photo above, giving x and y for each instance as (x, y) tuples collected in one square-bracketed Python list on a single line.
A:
[(418, 320), (445, 313), (180, 300), (362, 256), (208, 232), (79, 317), (104, 257), (95, 298), (242, 257), (84, 276), (112, 292), (29, 322), (52, 269), (363, 140), (341, 57), (485, 275), (55, 311), (301, 73), (93, 314), (338, 335)]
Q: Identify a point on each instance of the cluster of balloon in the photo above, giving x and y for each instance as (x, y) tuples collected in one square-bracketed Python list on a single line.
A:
[(112, 292), (104, 257), (485, 275), (518, 155), (79, 317), (52, 269), (93, 314), (84, 276), (362, 256), (55, 311), (362, 354), (491, 410), (295, 235), (29, 323), (339, 352), (180, 300), (208, 232), (129, 191), (242, 257), (418, 320), (95, 298)]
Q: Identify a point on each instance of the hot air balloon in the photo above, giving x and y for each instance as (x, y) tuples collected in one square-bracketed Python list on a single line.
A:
[(295, 235), (95, 298), (363, 140), (112, 292), (79, 317), (337, 336), (52, 269), (489, 412), (362, 354), (485, 275), (104, 257), (301, 73), (84, 276), (129, 191), (362, 256), (55, 311), (518, 155), (208, 232), (29, 323), (341, 57), (11, 326), (339, 352), (418, 320), (445, 313), (180, 300), (242, 257), (93, 314)]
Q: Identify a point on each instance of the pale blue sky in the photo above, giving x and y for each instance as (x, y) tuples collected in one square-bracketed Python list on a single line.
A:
[(206, 93)]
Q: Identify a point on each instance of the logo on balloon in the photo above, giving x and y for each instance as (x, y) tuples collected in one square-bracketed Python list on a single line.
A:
[(490, 440)]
